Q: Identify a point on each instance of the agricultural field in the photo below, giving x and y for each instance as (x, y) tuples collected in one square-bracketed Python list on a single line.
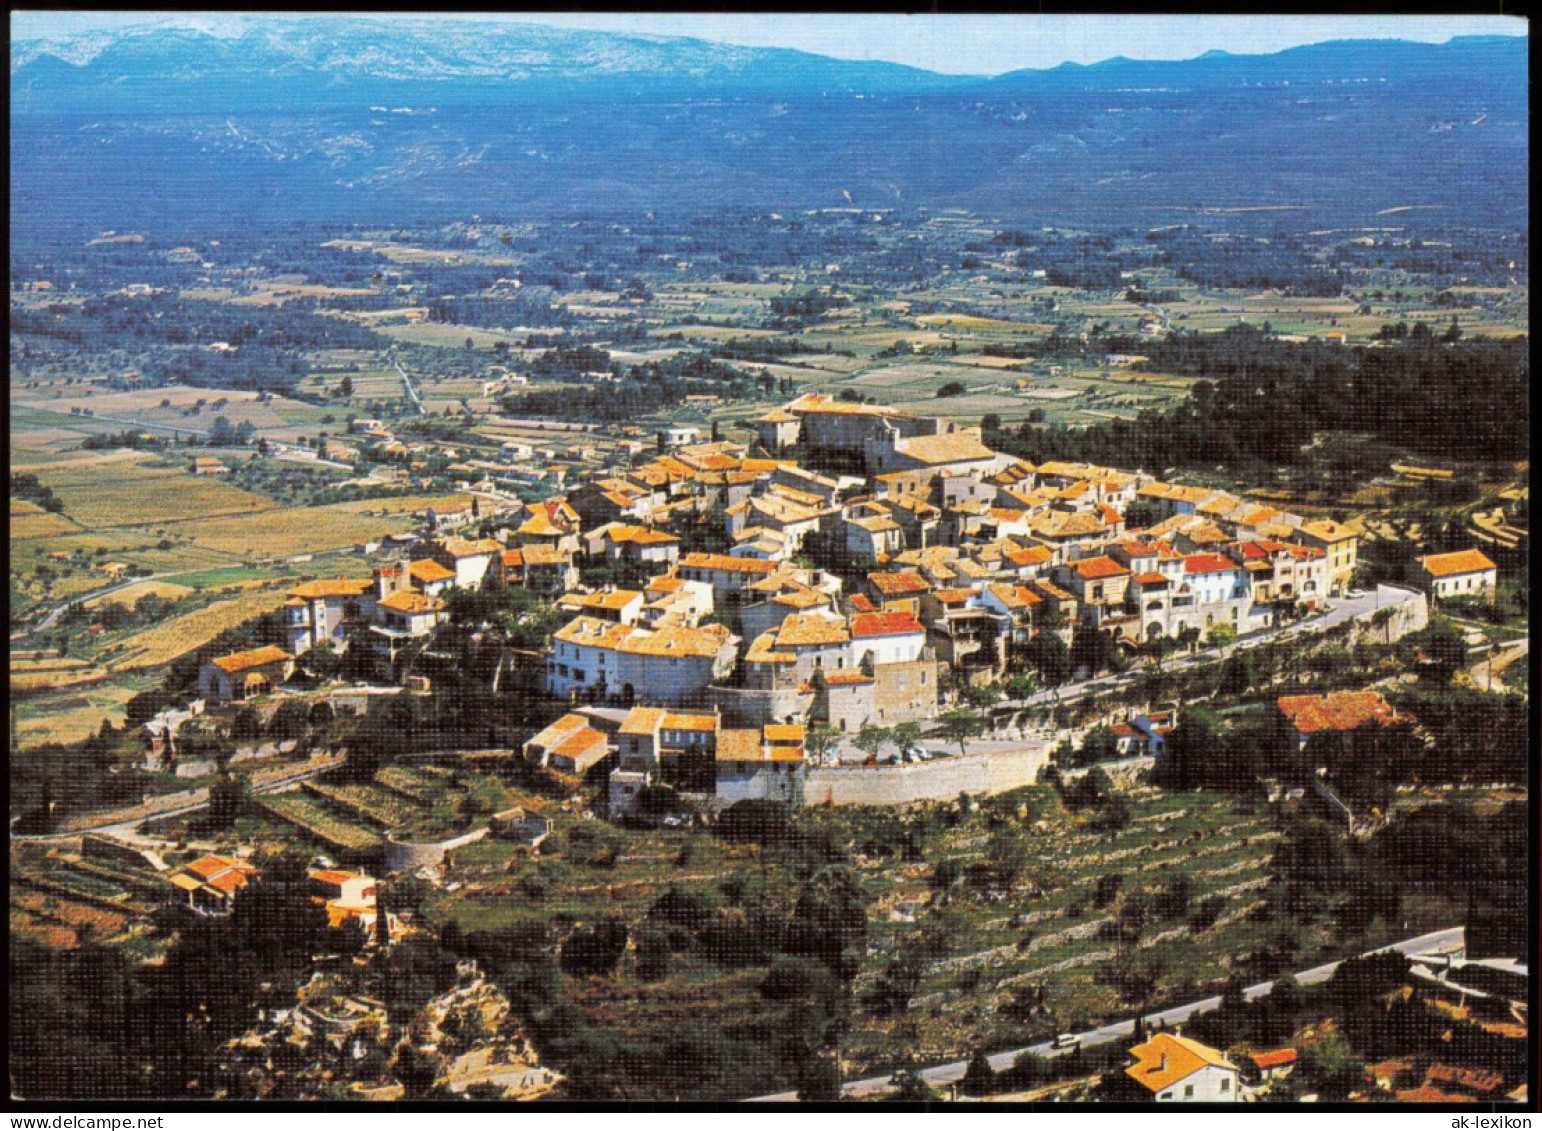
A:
[(73, 714), (26, 526), (319, 822), (443, 335), (137, 495), (167, 590), (297, 530), (182, 634)]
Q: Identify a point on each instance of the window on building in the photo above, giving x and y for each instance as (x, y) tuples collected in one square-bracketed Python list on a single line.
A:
[(1188, 1090), (1165, 1096), (1225, 1084)]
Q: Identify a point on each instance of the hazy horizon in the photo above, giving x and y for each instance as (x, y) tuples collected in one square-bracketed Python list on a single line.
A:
[(944, 44)]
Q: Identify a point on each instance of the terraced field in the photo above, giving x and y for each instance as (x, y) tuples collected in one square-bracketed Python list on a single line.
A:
[(320, 823)]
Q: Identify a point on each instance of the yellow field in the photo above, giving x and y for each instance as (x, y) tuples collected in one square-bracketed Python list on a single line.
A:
[(70, 717), (127, 597), (22, 506), (23, 683), (974, 322), (302, 530), (24, 526), (443, 334), (155, 496), (165, 642)]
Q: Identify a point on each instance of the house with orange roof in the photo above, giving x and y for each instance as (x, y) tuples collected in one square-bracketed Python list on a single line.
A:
[(1300, 717), (1339, 543), (898, 591), (402, 619), (760, 764), (469, 559), (330, 610), (1098, 583), (349, 897), (1466, 573), (728, 575), (601, 660), (623, 542), (208, 885), (623, 606), (241, 675), (570, 745), (1172, 1068)]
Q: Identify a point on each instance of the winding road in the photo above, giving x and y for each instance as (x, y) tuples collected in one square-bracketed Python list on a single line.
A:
[(942, 1075)]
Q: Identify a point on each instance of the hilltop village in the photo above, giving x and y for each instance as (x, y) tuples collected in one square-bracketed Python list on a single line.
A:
[(847, 652)]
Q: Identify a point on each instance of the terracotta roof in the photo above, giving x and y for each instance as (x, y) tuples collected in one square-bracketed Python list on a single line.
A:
[(862, 603), (615, 600), (783, 733), (1429, 1094), (846, 679), (1338, 710), (727, 564), (333, 587), (1451, 565), (884, 624), (896, 584), (333, 876), (465, 548), (407, 601), (952, 447), (699, 643), (808, 629), (207, 867), (762, 650), (1032, 555), (1328, 531), (426, 570), (1475, 1079), (1092, 568), (690, 722), (578, 743), (1150, 580), (1207, 563), (256, 657), (1274, 1058), (546, 555), (1166, 1059), (643, 720)]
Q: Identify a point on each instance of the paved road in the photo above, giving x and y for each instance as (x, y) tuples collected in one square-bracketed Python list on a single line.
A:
[(128, 826), (1486, 671), (90, 595), (944, 1074), (407, 381)]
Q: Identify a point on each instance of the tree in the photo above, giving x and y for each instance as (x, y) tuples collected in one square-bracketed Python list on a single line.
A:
[(870, 739), (345, 387), (226, 797), (1048, 655), (1221, 636), (1020, 685), (908, 1085), (820, 742), (1446, 649), (979, 1077), (1099, 745), (905, 735), (1193, 749), (960, 725)]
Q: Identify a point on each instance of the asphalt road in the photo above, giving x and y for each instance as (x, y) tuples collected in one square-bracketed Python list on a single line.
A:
[(942, 1075)]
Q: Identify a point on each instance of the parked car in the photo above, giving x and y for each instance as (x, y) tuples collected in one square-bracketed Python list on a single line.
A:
[(1066, 1041)]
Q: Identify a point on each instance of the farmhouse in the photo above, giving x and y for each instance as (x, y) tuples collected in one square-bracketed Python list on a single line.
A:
[(241, 675), (1170, 1068), (570, 745), (328, 611), (209, 884), (1466, 573), (1303, 716)]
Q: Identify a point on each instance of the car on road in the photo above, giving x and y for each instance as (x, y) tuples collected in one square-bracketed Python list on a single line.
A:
[(1065, 1041)]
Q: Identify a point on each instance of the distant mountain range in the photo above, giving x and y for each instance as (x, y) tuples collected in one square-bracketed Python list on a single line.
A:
[(348, 117)]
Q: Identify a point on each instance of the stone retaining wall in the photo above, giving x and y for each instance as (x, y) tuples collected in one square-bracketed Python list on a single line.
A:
[(941, 780)]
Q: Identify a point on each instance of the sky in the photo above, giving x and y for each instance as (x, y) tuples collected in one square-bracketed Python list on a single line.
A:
[(949, 44)]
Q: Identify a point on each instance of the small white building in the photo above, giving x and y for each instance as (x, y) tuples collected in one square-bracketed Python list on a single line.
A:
[(1170, 1068), (1466, 573)]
